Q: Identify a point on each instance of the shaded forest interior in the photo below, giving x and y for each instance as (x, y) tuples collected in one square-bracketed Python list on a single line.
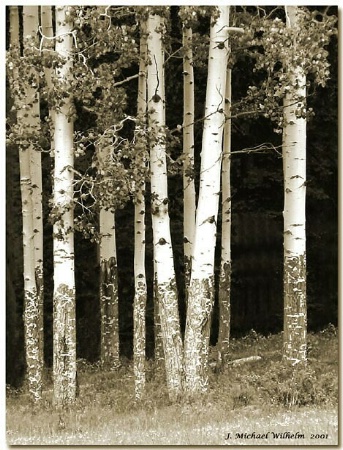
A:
[(257, 241)]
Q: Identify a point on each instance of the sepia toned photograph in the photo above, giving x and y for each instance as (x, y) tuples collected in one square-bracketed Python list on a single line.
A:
[(172, 225)]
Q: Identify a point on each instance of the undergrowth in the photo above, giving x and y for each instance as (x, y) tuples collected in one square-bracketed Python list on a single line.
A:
[(264, 385)]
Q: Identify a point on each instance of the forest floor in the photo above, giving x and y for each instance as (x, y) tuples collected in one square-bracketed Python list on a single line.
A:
[(261, 402)]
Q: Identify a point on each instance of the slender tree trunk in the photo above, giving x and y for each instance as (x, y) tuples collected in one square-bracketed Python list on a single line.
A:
[(30, 28), (163, 253), (25, 93), (201, 290), (294, 166), (225, 263), (47, 43), (64, 325), (158, 338), (109, 343), (188, 153), (140, 299)]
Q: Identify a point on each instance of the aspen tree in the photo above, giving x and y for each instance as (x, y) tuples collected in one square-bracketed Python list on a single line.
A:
[(292, 50), (224, 297), (109, 340), (201, 289), (26, 100), (140, 298), (30, 27), (109, 299), (163, 252), (64, 325), (294, 167), (47, 43), (188, 151)]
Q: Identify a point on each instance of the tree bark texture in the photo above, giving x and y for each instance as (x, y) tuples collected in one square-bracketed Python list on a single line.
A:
[(64, 324), (158, 340), (109, 341), (140, 298), (225, 263), (294, 166), (25, 94), (189, 206), (30, 28), (163, 252), (47, 43), (201, 290)]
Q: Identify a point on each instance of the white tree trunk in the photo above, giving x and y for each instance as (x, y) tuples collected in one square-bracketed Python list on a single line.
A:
[(163, 252), (140, 299), (225, 263), (294, 166), (48, 45), (188, 153), (109, 341), (64, 326), (201, 290), (25, 93), (30, 28)]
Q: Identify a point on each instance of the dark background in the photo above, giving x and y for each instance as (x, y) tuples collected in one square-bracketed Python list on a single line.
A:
[(257, 228)]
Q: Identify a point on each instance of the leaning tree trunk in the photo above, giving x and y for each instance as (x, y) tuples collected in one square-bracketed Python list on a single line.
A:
[(163, 252), (201, 289), (294, 167), (225, 263), (140, 298), (188, 154), (109, 339), (25, 94), (64, 325)]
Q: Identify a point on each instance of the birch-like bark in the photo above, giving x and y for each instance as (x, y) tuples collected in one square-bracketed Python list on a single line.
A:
[(201, 290), (163, 252), (64, 325), (26, 99), (225, 263), (158, 339), (47, 44), (188, 153), (140, 298), (30, 27), (294, 167), (109, 322)]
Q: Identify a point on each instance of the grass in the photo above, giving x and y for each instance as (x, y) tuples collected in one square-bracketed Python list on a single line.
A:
[(261, 396)]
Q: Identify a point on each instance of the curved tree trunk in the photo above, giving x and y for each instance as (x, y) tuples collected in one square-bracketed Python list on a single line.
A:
[(294, 166), (163, 253), (201, 289), (64, 325)]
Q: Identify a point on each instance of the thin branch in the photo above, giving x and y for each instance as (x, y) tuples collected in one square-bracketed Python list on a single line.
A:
[(262, 148), (119, 83)]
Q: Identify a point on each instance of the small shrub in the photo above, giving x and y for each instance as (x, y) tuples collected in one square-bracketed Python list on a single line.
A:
[(299, 386)]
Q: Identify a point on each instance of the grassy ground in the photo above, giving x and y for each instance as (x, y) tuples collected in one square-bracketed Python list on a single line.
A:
[(257, 403)]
